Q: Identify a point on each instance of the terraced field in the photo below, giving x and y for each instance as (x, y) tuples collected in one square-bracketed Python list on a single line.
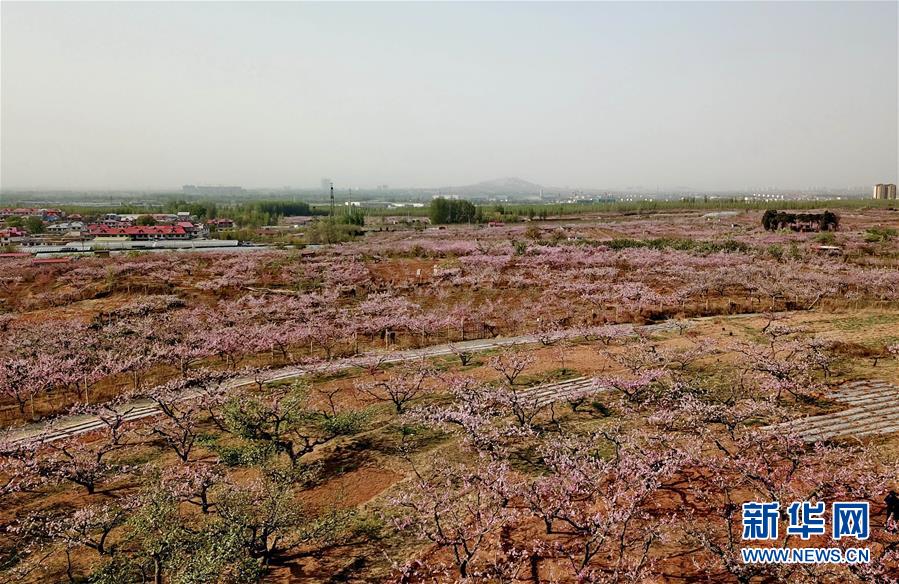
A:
[(552, 392), (874, 410)]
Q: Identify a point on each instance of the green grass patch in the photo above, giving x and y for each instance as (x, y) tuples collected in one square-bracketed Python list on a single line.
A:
[(853, 323)]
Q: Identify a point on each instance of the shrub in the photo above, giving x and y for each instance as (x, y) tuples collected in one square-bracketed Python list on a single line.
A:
[(879, 234), (826, 238)]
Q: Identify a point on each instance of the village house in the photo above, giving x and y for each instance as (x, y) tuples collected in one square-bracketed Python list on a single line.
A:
[(219, 224), (164, 218), (65, 227), (188, 227), (117, 220), (12, 235), (139, 232), (44, 214)]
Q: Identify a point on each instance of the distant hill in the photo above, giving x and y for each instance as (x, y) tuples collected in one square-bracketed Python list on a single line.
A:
[(499, 186)]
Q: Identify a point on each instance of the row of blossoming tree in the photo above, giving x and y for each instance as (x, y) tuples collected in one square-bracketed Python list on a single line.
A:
[(639, 475), (227, 311), (538, 498)]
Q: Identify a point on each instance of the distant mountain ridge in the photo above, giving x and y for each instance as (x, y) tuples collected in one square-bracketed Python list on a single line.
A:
[(506, 185)]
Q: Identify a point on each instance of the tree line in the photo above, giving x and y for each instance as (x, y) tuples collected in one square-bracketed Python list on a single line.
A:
[(444, 211), (773, 220)]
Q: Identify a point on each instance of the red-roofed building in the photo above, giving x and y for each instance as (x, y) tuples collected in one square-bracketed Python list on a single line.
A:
[(45, 214), (12, 235), (187, 226), (164, 217), (51, 260), (220, 224), (9, 212), (140, 232)]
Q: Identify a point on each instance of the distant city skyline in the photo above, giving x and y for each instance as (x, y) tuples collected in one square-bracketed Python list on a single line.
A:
[(713, 96)]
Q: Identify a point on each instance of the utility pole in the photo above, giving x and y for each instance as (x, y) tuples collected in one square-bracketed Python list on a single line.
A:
[(332, 200)]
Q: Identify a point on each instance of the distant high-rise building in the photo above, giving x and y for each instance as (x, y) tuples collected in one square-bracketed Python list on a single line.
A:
[(326, 185), (884, 191)]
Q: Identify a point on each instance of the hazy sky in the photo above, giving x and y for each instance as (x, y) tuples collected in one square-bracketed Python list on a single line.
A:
[(706, 95)]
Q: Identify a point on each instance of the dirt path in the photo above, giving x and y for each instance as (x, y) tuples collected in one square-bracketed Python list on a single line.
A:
[(143, 408)]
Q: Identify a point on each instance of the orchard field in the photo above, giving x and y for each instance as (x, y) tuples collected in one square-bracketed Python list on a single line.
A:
[(588, 400)]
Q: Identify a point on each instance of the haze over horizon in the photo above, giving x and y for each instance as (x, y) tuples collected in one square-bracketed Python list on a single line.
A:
[(714, 96)]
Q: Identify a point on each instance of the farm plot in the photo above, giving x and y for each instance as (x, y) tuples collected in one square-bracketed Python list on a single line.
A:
[(547, 393), (874, 410)]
